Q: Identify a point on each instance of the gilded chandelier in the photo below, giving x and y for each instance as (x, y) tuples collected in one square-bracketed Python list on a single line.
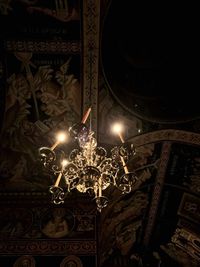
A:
[(88, 168)]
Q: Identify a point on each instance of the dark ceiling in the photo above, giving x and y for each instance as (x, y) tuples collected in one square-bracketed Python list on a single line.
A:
[(149, 57)]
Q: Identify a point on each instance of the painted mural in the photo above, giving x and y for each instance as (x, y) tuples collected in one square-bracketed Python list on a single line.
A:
[(41, 64), (187, 176), (57, 223), (64, 10), (46, 223)]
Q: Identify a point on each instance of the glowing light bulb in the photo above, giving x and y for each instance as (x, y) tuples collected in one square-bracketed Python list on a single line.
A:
[(64, 163), (117, 128), (61, 137)]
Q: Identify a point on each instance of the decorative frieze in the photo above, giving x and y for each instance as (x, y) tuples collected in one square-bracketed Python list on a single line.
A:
[(50, 46), (47, 247)]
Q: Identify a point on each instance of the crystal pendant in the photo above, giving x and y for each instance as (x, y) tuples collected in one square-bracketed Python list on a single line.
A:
[(79, 131)]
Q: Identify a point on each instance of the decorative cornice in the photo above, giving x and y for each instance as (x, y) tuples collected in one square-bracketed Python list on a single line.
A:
[(48, 247), (51, 46), (166, 135)]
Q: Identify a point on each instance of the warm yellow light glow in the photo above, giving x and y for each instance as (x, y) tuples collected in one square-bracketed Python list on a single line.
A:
[(64, 162), (117, 128), (61, 137)]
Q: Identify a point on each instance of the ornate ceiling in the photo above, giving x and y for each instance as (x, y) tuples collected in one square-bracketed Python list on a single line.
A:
[(132, 64)]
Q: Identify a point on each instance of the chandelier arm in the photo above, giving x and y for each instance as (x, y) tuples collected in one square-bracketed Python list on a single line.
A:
[(58, 195), (70, 174)]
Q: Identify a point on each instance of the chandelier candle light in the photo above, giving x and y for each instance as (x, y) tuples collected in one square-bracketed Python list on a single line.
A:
[(88, 168)]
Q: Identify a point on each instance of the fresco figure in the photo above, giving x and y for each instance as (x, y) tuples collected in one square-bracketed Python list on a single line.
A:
[(71, 261), (57, 226), (40, 100), (25, 261)]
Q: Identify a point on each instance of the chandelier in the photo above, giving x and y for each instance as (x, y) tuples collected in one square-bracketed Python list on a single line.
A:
[(88, 168)]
